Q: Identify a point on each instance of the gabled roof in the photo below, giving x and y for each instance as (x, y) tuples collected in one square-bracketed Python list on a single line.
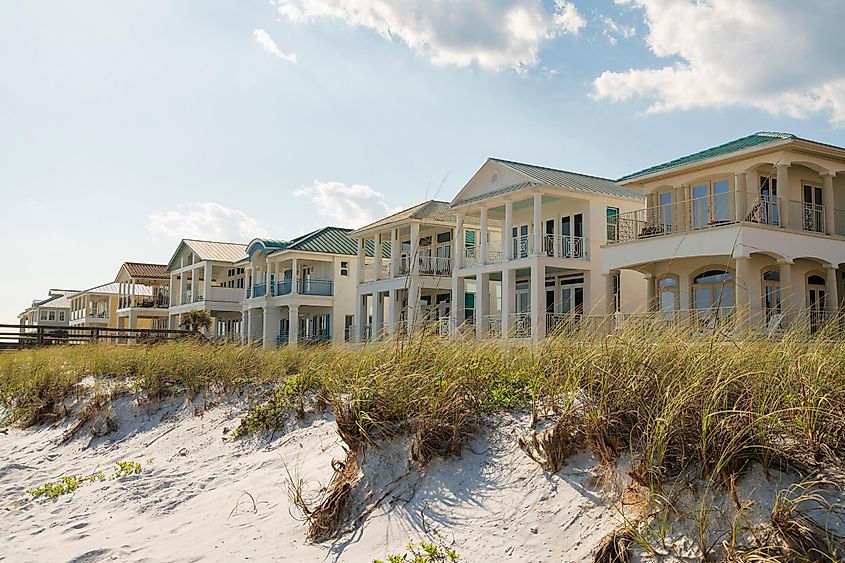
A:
[(55, 301), (212, 251), (327, 240), (758, 139), (571, 180), (150, 271), (111, 288), (432, 210)]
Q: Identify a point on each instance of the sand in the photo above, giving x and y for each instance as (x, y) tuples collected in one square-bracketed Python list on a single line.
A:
[(203, 495)]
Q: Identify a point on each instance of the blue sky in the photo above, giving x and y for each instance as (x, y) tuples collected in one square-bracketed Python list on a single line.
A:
[(126, 125)]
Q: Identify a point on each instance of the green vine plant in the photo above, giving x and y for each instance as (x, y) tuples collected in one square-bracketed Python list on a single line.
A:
[(69, 483), (425, 552)]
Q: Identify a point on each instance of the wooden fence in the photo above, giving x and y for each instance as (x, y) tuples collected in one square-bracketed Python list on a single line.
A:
[(14, 337)]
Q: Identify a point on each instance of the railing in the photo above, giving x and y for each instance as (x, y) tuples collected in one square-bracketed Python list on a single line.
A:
[(314, 287), (435, 266), (313, 338), (697, 214), (158, 301), (839, 222), (225, 294), (18, 336), (258, 290), (472, 256), (564, 246), (280, 288), (806, 216), (522, 246), (282, 339)]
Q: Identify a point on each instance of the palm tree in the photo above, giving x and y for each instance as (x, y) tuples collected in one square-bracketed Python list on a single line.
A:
[(196, 320)]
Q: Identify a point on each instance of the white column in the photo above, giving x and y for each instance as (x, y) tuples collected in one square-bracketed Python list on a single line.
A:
[(174, 298), (394, 252), (377, 252), (538, 223), (831, 290), (788, 303), (740, 198), (827, 199), (293, 324), (206, 290), (378, 315), (413, 302), (392, 312), (651, 291), (507, 232), (783, 192), (359, 265), (272, 316), (415, 248), (538, 308), (609, 292), (294, 276), (742, 280), (460, 241), (360, 317), (482, 236), (508, 299), (482, 304)]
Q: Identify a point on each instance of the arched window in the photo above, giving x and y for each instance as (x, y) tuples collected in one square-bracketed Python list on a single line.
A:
[(816, 300), (771, 293), (668, 297), (713, 289)]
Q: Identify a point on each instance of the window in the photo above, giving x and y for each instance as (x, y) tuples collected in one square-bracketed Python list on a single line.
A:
[(61, 316), (344, 268), (771, 293), (710, 203), (617, 293), (812, 216), (713, 290), (43, 315), (612, 224), (52, 315), (769, 212), (668, 297)]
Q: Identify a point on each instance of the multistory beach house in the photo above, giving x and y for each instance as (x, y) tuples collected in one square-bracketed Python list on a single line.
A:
[(408, 283), (300, 291), (208, 276), (52, 311), (538, 240), (95, 307), (748, 232), (143, 296)]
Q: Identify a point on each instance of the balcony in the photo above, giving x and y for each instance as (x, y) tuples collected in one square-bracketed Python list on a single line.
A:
[(564, 246), (719, 210), (160, 300), (435, 266), (315, 287), (257, 290), (283, 287)]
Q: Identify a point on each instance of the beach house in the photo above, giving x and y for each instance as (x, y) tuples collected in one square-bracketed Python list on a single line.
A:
[(143, 296), (52, 311), (301, 290), (208, 276), (95, 307), (535, 234), (750, 232)]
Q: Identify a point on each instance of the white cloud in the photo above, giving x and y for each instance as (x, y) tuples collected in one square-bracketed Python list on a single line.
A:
[(781, 56), (613, 30), (494, 34), (263, 38), (346, 206), (208, 221)]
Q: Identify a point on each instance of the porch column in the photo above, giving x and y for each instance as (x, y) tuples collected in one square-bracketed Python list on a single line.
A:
[(651, 291), (247, 280), (174, 297), (293, 324), (482, 304), (456, 312), (415, 249), (783, 192), (507, 232), (740, 199), (378, 315), (538, 224), (508, 299), (361, 317), (482, 236), (538, 310), (742, 280), (294, 276), (413, 302), (460, 240), (827, 198), (788, 304), (831, 290), (609, 292), (394, 253), (206, 290), (359, 264), (268, 276), (392, 312), (245, 327), (377, 252)]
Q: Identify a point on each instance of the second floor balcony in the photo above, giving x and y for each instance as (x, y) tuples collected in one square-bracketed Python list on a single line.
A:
[(554, 246), (304, 286), (725, 209)]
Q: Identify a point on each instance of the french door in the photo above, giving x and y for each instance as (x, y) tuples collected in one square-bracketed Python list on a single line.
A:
[(813, 210)]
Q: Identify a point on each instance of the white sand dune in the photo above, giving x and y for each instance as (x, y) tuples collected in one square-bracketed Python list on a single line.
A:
[(204, 496)]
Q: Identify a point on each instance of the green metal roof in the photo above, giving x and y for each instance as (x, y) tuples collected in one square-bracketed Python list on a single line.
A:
[(332, 240), (756, 140)]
